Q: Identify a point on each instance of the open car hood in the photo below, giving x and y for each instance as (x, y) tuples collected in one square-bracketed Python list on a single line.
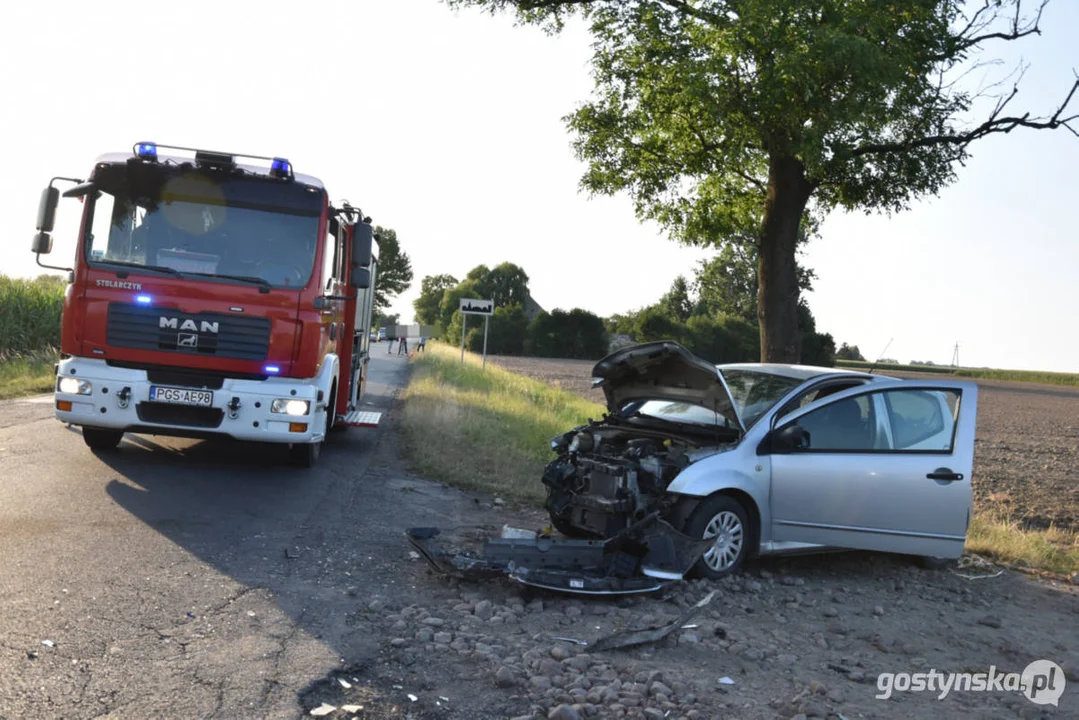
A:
[(663, 370)]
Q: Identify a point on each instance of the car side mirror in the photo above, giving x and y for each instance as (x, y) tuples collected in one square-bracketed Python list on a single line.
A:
[(790, 438), (363, 238), (46, 209), (42, 244), (360, 278)]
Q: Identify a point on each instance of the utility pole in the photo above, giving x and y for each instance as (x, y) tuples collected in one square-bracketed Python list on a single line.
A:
[(955, 356)]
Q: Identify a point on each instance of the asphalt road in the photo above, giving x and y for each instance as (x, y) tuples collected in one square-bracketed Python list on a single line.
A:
[(178, 578)]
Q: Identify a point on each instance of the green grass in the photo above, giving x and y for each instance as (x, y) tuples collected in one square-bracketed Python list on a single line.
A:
[(1004, 540), (30, 313), (1030, 376), (27, 373), (484, 430)]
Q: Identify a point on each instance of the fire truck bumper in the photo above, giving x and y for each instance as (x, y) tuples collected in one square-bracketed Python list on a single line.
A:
[(91, 393)]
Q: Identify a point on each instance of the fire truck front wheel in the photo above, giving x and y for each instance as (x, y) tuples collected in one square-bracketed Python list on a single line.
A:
[(101, 439), (306, 454)]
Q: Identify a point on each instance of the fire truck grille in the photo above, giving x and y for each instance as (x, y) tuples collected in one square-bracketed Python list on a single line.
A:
[(214, 334)]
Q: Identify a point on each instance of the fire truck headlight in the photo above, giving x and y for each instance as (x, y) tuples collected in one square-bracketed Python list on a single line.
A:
[(74, 386), (288, 406)]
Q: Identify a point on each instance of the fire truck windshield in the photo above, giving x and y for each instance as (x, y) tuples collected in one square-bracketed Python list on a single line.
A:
[(180, 220)]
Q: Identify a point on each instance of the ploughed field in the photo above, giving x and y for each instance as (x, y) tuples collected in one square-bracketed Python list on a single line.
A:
[(1026, 461)]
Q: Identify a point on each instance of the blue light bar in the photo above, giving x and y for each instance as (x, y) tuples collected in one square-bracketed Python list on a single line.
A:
[(272, 369), (280, 167), (146, 150), (143, 299)]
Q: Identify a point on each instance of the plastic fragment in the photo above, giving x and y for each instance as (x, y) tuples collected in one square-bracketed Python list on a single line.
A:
[(323, 710), (412, 697), (344, 683), (726, 681)]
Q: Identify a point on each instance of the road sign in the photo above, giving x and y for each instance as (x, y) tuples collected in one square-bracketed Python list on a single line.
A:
[(470, 306)]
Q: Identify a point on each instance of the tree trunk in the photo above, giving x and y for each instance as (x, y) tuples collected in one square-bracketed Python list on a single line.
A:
[(777, 275)]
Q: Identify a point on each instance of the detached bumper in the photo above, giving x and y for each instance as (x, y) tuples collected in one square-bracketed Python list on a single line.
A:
[(119, 399), (641, 559)]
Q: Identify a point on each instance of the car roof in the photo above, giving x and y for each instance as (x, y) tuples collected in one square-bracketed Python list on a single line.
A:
[(796, 372)]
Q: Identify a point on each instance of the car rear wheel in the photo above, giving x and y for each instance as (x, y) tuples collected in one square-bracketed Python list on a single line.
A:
[(101, 439), (723, 519)]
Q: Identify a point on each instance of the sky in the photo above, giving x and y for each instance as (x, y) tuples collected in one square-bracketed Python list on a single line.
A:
[(447, 126)]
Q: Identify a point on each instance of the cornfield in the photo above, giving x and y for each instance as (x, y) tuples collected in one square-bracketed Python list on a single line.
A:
[(30, 314)]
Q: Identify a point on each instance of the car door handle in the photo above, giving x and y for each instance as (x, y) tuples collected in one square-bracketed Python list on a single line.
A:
[(944, 474)]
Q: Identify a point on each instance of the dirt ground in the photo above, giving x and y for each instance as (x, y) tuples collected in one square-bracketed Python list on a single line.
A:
[(1026, 461)]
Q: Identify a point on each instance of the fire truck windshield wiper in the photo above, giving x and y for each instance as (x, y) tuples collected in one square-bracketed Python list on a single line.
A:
[(264, 284), (140, 266)]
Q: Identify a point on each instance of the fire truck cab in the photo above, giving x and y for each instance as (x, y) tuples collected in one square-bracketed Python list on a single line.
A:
[(212, 298)]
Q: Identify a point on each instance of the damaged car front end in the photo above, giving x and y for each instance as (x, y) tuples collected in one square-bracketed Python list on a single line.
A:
[(667, 410)]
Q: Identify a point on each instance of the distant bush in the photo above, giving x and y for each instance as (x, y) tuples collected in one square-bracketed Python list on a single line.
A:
[(30, 313), (576, 334)]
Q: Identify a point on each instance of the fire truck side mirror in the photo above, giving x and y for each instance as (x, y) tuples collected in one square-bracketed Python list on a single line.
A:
[(46, 210), (360, 278), (363, 238), (42, 244)]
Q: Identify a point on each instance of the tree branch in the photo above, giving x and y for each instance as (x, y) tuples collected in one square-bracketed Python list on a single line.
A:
[(546, 4), (995, 124), (703, 15), (1015, 33)]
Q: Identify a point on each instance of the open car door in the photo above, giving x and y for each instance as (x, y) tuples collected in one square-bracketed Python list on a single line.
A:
[(884, 468)]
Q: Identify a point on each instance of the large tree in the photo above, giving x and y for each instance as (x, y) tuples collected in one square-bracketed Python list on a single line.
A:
[(394, 268), (428, 305), (725, 116)]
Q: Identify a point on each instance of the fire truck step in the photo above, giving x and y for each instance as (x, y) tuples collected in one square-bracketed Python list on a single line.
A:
[(357, 418)]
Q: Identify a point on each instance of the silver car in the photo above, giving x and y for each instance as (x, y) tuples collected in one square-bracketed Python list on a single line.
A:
[(769, 458)]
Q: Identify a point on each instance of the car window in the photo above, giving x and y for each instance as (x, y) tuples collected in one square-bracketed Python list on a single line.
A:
[(914, 421), (922, 419), (754, 393), (847, 425)]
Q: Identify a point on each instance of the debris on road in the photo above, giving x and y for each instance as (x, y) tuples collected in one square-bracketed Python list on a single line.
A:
[(48, 643), (353, 709), (575, 641), (323, 710), (979, 568), (639, 559), (726, 681), (412, 697), (649, 635), (344, 683)]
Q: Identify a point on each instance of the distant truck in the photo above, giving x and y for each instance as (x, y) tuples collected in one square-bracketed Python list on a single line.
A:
[(211, 298)]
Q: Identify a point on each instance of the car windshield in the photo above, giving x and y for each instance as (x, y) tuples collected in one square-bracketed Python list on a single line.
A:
[(679, 412), (190, 222), (754, 393)]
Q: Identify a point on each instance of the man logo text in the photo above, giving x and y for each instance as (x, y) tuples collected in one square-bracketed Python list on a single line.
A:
[(174, 324)]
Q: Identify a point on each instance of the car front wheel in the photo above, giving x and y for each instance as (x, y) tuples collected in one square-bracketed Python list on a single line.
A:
[(723, 519)]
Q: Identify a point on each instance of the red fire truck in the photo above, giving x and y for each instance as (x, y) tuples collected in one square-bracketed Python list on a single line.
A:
[(212, 298)]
